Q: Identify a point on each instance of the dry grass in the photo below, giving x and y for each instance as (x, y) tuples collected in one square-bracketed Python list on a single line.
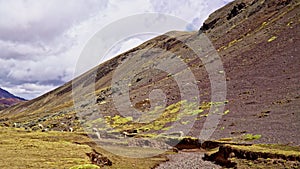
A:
[(22, 149)]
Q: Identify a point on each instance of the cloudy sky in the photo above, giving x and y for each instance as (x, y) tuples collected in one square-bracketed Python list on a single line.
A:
[(41, 40)]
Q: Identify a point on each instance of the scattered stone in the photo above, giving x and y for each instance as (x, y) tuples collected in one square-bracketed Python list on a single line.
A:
[(129, 133), (45, 130), (17, 125), (4, 119), (264, 114), (190, 160), (41, 126)]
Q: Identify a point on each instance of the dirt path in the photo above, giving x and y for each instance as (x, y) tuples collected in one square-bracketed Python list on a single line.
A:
[(190, 160)]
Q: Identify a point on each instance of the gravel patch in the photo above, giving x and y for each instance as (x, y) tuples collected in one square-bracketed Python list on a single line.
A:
[(189, 160)]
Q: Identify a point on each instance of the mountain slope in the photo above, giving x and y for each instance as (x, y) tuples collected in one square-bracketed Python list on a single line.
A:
[(259, 49), (257, 41), (7, 99)]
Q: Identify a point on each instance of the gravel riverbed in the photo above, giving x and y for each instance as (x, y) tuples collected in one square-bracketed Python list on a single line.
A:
[(187, 160)]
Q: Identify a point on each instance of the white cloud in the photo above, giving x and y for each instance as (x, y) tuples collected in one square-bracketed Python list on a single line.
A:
[(42, 20), (195, 11), (29, 90), (227, 1), (129, 44)]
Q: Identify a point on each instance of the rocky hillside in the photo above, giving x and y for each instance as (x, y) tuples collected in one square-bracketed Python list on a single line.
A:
[(257, 41), (7, 99)]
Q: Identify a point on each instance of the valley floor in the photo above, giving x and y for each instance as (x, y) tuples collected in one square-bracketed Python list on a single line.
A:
[(23, 149)]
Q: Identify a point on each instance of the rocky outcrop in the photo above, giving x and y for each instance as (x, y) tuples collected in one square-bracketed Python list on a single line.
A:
[(98, 159), (239, 10)]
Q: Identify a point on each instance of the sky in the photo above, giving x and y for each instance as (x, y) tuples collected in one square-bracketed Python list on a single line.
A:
[(41, 40)]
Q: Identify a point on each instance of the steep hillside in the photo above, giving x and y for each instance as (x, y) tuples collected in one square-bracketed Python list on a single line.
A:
[(257, 41), (7, 99)]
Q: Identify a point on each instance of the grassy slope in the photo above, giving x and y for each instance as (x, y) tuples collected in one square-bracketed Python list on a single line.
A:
[(20, 149)]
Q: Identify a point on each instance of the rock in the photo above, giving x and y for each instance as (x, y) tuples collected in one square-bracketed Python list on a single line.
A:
[(236, 10), (41, 126), (17, 125), (231, 155), (98, 159), (45, 130)]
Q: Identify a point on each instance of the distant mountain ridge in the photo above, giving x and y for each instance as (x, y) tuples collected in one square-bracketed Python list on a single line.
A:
[(7, 99), (7, 95)]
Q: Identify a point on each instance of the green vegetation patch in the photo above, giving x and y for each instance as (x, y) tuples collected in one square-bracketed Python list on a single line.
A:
[(85, 166), (159, 119), (272, 38), (250, 137)]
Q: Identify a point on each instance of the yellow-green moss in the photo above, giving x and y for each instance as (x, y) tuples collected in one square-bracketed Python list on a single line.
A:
[(272, 38), (226, 112), (159, 118), (85, 166), (250, 137)]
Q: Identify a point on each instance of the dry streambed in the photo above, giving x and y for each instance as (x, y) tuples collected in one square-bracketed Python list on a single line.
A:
[(226, 154), (192, 160)]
